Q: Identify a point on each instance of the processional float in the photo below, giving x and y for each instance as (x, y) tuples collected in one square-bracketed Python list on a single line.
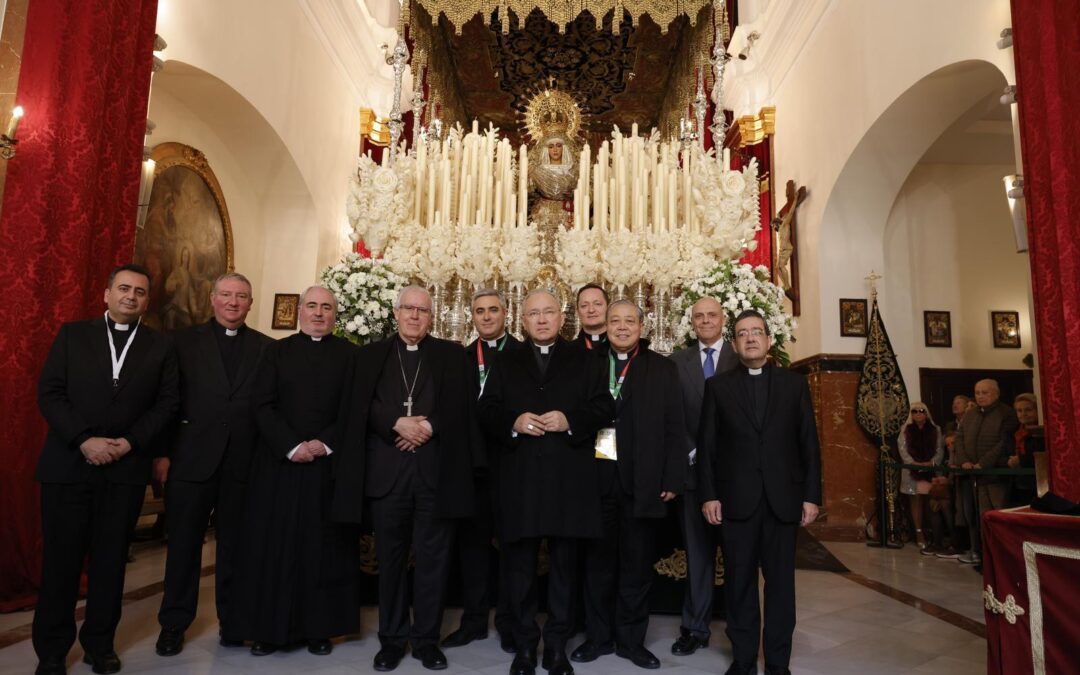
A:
[(461, 208)]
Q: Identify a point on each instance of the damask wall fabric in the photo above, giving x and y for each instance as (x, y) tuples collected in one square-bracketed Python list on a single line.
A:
[(1046, 44), (68, 218)]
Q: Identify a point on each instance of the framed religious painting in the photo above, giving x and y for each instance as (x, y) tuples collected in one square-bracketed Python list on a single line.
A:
[(286, 306), (1005, 325), (185, 240), (853, 321), (937, 328)]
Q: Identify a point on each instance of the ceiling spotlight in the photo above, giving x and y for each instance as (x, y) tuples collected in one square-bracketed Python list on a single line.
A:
[(1017, 189), (750, 40), (1005, 39), (1008, 96)]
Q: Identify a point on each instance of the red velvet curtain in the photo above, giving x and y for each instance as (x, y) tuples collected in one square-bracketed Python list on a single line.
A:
[(68, 218), (740, 157), (1046, 44)]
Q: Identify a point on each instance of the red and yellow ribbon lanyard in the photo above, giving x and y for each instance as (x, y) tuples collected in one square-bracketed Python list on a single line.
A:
[(615, 387), (480, 358)]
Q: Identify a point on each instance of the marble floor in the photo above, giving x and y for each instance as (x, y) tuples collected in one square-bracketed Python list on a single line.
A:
[(895, 612)]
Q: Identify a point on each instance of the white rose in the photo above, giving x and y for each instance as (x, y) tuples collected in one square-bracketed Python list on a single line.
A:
[(733, 183), (384, 180)]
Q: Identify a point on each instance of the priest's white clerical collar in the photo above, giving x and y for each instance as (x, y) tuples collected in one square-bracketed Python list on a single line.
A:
[(412, 348), (315, 338), (121, 326), (494, 343), (231, 332), (545, 349), (622, 356), (754, 371), (594, 338)]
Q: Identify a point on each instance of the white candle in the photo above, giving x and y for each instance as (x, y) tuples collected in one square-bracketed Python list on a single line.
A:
[(523, 182), (498, 219), (431, 195), (672, 198)]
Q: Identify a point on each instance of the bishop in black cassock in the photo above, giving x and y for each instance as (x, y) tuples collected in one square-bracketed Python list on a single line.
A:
[(407, 447), (297, 576), (544, 404)]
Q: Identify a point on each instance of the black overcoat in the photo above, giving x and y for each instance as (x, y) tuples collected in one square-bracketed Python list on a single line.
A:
[(547, 485)]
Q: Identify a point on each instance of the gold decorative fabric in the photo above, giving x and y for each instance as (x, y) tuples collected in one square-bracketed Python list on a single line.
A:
[(560, 12), (881, 406)]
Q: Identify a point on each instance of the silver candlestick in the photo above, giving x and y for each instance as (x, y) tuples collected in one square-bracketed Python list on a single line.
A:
[(701, 104), (718, 60), (418, 105), (398, 60)]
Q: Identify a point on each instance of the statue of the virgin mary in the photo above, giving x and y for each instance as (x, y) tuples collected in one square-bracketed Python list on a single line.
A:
[(553, 120)]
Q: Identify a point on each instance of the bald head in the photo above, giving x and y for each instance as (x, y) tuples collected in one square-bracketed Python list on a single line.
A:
[(707, 317), (987, 393)]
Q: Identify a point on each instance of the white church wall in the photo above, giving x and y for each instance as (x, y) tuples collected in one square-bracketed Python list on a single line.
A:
[(949, 246), (857, 60)]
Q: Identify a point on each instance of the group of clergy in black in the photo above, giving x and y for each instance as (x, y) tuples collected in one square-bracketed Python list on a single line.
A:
[(577, 445)]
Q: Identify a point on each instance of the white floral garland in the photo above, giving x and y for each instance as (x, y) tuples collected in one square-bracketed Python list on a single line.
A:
[(622, 262), (727, 204), (438, 254), (576, 257), (737, 288), (477, 253), (380, 200), (366, 289), (519, 255)]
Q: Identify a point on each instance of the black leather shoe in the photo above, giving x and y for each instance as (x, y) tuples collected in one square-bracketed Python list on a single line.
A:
[(388, 658), (462, 636), (777, 670), (106, 662), (589, 651), (741, 669), (230, 643), (431, 657), (688, 644), (170, 642), (52, 665), (320, 647), (559, 664), (262, 648), (639, 656), (507, 643), (524, 662)]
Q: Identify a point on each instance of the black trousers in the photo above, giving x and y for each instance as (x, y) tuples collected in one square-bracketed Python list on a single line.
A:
[(760, 541), (521, 558), (701, 541), (475, 554), (619, 574), (188, 506), (407, 516), (90, 521)]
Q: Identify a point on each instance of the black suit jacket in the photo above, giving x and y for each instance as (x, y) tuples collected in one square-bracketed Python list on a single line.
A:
[(364, 467), (732, 445), (214, 414), (77, 399), (547, 485), (653, 440), (692, 379)]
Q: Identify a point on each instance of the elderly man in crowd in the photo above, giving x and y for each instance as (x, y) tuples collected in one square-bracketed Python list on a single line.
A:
[(981, 443)]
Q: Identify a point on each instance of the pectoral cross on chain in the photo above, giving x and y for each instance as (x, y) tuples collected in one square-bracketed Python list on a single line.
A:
[(408, 406)]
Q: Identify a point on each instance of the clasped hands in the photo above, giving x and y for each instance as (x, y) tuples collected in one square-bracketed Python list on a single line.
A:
[(101, 451), (713, 512), (412, 432), (308, 451), (532, 424)]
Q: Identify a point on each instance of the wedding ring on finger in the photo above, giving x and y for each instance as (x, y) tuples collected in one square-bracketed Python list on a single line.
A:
[(529, 427)]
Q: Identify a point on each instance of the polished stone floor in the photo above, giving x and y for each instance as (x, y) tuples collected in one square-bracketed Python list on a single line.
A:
[(895, 612)]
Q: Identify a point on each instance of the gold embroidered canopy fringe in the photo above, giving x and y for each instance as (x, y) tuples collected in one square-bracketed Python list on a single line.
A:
[(562, 12)]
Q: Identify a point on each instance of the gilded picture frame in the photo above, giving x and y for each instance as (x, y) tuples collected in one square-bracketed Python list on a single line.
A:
[(937, 328)]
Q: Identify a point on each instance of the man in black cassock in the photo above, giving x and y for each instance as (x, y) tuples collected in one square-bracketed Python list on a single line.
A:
[(408, 447), (544, 404), (108, 390), (208, 457), (297, 573), (641, 458), (759, 471), (591, 305), (474, 535)]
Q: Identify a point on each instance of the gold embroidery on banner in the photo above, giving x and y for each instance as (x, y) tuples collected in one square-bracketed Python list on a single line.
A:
[(1038, 653), (674, 566), (369, 564), (1009, 608)]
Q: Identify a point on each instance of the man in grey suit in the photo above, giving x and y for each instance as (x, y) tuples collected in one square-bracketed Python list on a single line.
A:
[(708, 356)]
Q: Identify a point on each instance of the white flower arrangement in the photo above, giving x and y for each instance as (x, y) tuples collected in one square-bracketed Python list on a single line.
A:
[(695, 257), (365, 289), (662, 257), (380, 200), (737, 288), (519, 255), (727, 204), (576, 256), (477, 253), (621, 258), (438, 254), (402, 254)]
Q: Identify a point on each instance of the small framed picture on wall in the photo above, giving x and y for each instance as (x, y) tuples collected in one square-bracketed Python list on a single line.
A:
[(1005, 326), (853, 321), (937, 328), (285, 308)]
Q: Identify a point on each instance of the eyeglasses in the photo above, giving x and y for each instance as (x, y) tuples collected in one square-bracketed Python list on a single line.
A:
[(536, 313), (409, 309), (918, 411), (744, 333)]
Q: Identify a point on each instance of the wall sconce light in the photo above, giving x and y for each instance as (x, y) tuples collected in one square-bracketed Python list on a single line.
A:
[(1008, 96), (750, 40), (8, 141), (1005, 39), (1014, 195)]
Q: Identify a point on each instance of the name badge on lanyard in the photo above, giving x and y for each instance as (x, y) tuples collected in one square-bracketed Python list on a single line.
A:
[(605, 444), (118, 363), (480, 360)]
